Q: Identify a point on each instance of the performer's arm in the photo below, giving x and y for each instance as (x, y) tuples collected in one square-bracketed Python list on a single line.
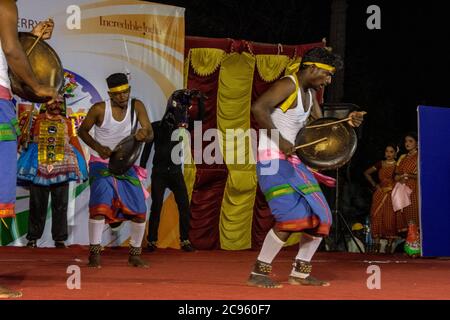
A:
[(368, 174), (94, 115), (14, 53), (145, 133), (266, 104)]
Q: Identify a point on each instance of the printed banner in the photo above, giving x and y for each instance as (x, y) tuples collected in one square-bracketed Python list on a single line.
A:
[(94, 39)]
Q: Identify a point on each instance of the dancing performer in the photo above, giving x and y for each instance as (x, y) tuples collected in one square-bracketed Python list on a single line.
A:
[(115, 198), (292, 191), (14, 58)]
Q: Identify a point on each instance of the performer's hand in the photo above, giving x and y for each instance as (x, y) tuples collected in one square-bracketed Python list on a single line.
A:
[(403, 178), (286, 147), (141, 135), (104, 152), (357, 118), (39, 28)]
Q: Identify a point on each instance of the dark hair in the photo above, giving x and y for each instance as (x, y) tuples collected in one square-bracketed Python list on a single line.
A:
[(411, 134), (116, 79), (392, 145), (322, 55)]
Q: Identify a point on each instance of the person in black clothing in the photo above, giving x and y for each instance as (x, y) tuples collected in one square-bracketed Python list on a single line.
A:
[(166, 173)]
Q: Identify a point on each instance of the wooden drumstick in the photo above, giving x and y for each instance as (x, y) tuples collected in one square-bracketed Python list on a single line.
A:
[(36, 41), (52, 77), (310, 143), (331, 123)]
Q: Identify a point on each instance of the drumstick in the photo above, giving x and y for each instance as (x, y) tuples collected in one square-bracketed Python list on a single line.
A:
[(310, 143), (52, 77), (331, 123), (36, 41), (6, 226), (328, 124)]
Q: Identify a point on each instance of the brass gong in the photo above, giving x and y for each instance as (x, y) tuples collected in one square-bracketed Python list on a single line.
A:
[(330, 153), (43, 60), (124, 155)]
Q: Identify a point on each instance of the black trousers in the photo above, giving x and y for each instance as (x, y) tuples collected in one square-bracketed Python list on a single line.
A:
[(38, 211), (171, 178)]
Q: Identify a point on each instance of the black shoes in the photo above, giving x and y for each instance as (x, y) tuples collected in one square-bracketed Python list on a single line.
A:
[(32, 244), (186, 246), (60, 244), (151, 246)]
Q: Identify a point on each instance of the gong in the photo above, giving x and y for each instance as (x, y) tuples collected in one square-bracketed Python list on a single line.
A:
[(329, 145), (124, 155), (43, 60)]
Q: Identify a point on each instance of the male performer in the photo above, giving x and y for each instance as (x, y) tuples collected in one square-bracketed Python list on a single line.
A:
[(292, 191), (13, 57), (165, 172), (53, 158), (115, 198)]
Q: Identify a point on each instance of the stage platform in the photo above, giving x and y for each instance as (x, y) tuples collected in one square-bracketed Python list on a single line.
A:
[(41, 274)]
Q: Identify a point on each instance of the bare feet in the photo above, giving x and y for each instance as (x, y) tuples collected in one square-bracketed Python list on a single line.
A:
[(6, 293), (136, 261), (308, 281), (262, 281)]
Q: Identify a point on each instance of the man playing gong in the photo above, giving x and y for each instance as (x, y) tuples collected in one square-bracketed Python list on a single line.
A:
[(115, 198), (291, 189), (13, 57)]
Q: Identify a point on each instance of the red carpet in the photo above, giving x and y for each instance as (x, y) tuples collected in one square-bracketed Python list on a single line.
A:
[(42, 274)]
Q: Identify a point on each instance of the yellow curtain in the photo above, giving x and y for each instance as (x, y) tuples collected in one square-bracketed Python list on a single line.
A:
[(293, 65), (233, 112), (186, 69), (205, 61), (271, 66), (189, 165)]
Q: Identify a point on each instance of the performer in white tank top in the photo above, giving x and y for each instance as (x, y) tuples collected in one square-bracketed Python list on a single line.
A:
[(111, 131), (290, 188), (4, 79), (13, 57), (288, 123), (115, 198)]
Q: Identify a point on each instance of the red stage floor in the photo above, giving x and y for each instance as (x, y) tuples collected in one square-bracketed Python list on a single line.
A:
[(173, 275)]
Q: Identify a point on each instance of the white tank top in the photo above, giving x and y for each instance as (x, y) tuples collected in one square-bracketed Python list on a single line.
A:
[(111, 132), (288, 123), (4, 78)]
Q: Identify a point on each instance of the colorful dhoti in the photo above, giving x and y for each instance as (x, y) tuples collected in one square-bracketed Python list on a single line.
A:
[(117, 198), (294, 196), (9, 131)]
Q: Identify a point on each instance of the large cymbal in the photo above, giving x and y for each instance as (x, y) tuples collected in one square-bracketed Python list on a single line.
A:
[(331, 153), (43, 59), (124, 155)]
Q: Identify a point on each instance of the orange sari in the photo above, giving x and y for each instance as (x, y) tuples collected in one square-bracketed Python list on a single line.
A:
[(408, 164), (382, 215)]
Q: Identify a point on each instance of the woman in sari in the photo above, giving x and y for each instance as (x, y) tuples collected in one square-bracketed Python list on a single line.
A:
[(382, 216), (406, 174)]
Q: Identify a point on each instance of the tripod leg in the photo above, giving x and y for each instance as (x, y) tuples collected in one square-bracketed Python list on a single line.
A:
[(351, 233)]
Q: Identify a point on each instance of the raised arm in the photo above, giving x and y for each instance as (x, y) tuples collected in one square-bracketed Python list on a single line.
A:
[(14, 53)]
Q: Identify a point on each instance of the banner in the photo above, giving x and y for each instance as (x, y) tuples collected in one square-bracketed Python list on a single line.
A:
[(93, 40)]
